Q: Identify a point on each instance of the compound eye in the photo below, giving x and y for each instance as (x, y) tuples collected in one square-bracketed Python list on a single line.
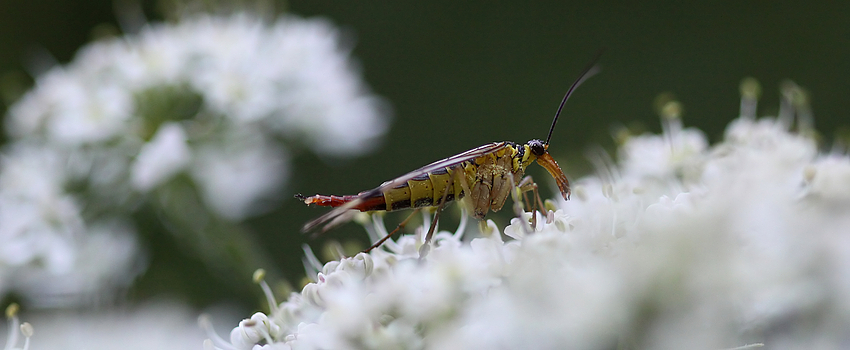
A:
[(536, 147)]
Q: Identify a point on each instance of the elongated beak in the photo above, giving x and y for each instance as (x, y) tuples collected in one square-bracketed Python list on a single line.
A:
[(551, 165)]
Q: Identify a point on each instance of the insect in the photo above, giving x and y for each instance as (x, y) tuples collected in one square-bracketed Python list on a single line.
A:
[(483, 176)]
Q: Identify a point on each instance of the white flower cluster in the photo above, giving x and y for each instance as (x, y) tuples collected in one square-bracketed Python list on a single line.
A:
[(50, 254), (212, 97), (213, 100), (679, 246), (161, 325)]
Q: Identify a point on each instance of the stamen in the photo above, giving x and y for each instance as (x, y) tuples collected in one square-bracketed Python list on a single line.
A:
[(365, 220), (27, 331), (312, 266), (750, 93), (485, 229), (620, 134), (381, 229), (841, 145), (671, 122), (261, 328), (551, 206), (785, 116), (336, 250), (805, 117), (12, 316), (461, 227), (259, 278), (426, 218), (605, 167), (219, 343)]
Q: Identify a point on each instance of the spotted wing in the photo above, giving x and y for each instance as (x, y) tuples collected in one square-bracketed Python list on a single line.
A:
[(440, 164)]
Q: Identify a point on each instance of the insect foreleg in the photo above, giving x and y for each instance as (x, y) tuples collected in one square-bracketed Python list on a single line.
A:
[(527, 184), (524, 186), (399, 227)]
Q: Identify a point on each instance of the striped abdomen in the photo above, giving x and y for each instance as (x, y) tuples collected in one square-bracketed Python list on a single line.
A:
[(421, 191)]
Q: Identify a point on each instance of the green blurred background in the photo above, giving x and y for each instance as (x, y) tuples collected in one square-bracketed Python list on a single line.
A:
[(462, 73)]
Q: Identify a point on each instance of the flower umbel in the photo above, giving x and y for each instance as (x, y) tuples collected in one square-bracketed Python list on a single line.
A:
[(680, 245), (195, 119), (225, 88)]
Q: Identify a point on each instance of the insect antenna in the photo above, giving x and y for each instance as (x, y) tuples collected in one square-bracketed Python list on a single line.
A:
[(588, 72)]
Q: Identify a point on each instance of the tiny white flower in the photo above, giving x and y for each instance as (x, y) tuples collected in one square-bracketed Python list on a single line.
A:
[(164, 155)]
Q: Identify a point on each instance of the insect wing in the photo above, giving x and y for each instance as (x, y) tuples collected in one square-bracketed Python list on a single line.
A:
[(440, 164)]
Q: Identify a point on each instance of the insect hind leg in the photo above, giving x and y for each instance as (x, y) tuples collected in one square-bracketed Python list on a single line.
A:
[(393, 232), (424, 249)]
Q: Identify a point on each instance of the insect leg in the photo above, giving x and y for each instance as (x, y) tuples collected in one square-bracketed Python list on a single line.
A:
[(531, 207), (399, 227), (423, 250), (528, 184), (526, 201)]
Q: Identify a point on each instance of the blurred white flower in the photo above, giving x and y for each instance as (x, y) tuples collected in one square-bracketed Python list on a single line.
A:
[(68, 107), (104, 260), (251, 169), (165, 154), (652, 155), (215, 99), (50, 255), (155, 325), (741, 243), (225, 80)]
